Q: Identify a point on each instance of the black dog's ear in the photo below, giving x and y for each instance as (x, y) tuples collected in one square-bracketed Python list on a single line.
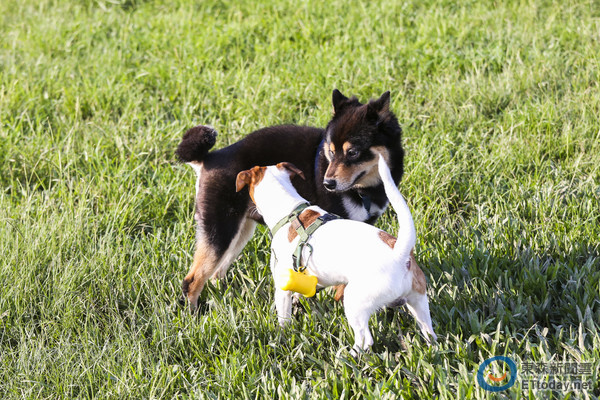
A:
[(379, 107), (291, 169), (383, 103), (337, 98)]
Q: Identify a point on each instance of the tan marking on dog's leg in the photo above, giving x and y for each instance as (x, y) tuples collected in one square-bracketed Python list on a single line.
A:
[(339, 292), (388, 239), (203, 267), (307, 217), (419, 284)]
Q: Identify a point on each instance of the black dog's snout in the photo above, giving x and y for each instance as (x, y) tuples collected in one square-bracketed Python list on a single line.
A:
[(330, 184)]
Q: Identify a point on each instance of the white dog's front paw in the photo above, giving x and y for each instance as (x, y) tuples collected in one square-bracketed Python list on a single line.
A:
[(283, 321), (430, 337), (357, 350)]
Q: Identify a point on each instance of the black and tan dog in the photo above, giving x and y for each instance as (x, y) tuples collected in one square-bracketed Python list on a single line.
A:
[(339, 164)]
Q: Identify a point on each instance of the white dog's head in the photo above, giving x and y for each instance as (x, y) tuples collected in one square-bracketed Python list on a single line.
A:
[(278, 176)]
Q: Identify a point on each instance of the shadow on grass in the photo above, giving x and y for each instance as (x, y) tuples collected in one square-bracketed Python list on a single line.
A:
[(476, 290)]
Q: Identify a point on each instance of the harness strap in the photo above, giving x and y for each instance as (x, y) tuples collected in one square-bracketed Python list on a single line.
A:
[(304, 233), (291, 216)]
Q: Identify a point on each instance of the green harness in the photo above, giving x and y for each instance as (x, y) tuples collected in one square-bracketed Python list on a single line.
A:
[(304, 233)]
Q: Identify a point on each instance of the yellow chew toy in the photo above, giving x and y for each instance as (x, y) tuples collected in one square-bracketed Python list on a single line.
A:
[(299, 282)]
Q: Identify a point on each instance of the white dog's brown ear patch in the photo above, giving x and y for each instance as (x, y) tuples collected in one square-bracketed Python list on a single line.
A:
[(243, 178), (292, 169), (250, 177)]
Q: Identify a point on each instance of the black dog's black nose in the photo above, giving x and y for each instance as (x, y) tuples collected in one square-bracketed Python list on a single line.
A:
[(329, 184)]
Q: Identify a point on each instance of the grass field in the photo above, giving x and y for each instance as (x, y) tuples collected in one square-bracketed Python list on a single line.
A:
[(500, 106)]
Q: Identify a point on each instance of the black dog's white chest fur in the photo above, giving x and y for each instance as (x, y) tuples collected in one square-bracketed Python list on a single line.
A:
[(357, 210)]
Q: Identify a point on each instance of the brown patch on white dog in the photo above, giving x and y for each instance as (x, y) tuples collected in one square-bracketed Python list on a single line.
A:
[(339, 292), (250, 177), (306, 218), (291, 169), (388, 239), (419, 284)]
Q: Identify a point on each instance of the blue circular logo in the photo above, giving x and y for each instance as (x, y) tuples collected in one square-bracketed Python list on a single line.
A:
[(485, 381)]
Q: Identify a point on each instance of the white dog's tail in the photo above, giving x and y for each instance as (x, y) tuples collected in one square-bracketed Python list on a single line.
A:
[(407, 235)]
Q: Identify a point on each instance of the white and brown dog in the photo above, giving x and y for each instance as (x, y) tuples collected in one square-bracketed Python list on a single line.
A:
[(378, 269)]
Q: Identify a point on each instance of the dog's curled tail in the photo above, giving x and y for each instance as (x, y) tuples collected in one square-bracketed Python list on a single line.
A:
[(196, 143), (407, 235)]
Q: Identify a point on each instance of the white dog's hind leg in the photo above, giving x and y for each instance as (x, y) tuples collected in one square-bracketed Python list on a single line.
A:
[(358, 311), (418, 305)]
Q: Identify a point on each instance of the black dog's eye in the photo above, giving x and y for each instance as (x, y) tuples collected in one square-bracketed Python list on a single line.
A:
[(352, 154), (331, 154)]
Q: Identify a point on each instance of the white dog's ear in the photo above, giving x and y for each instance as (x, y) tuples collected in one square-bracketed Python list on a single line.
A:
[(291, 169), (243, 178), (250, 177)]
